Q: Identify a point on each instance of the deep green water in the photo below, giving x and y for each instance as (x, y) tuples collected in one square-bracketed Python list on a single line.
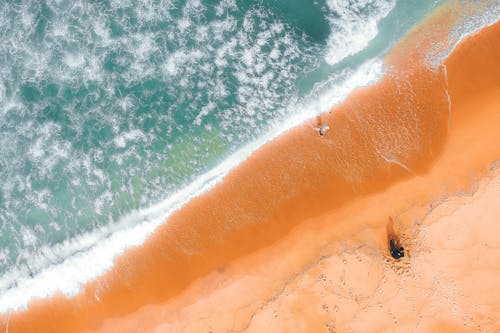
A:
[(109, 107)]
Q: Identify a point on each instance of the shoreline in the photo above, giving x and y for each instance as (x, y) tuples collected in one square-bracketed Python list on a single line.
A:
[(246, 215), (131, 230)]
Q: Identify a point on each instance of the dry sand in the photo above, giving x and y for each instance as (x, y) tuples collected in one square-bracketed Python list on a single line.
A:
[(295, 239)]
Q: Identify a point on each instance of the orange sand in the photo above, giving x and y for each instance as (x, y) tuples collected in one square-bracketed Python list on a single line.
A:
[(294, 240)]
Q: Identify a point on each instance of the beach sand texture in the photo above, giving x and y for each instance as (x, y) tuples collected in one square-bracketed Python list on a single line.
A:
[(295, 239)]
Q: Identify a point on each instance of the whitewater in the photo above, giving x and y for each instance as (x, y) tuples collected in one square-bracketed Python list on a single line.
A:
[(94, 200)]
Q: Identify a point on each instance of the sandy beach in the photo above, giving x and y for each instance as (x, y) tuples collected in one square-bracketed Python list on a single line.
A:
[(296, 238)]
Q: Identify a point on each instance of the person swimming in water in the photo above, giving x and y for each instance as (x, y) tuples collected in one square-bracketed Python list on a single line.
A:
[(396, 252)]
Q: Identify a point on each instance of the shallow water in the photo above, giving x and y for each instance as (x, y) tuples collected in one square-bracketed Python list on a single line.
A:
[(113, 112)]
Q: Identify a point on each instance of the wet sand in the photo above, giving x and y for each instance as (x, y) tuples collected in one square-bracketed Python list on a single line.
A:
[(295, 239)]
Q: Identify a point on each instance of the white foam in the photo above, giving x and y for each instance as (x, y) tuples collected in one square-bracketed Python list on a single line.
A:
[(121, 140), (4, 255), (47, 150), (354, 25), (74, 60), (29, 237), (225, 6), (66, 267), (474, 18), (181, 58), (205, 110)]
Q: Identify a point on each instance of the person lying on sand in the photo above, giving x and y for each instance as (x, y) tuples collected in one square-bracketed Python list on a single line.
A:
[(320, 127), (396, 252)]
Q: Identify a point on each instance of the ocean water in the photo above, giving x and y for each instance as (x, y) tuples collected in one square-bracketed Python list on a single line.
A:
[(115, 113)]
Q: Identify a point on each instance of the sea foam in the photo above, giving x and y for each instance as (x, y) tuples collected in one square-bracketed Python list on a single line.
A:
[(354, 25)]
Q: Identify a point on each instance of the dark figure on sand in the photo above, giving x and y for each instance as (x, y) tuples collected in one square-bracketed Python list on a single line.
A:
[(396, 252)]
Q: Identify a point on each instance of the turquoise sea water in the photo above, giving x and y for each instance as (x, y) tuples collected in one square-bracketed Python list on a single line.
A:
[(108, 108)]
